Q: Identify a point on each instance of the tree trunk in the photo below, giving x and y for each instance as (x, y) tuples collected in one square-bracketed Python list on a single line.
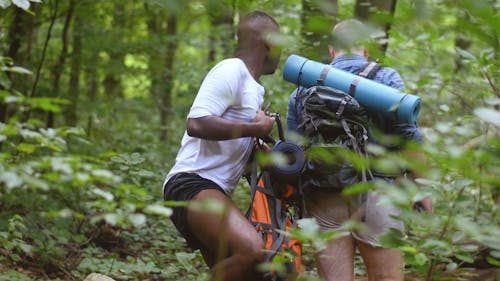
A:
[(16, 35), (161, 63), (317, 23), (166, 100), (59, 66), (369, 11), (155, 63), (92, 82), (462, 41), (74, 79), (112, 82), (221, 14)]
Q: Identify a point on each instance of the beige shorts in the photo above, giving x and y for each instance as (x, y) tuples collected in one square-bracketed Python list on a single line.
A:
[(331, 210)]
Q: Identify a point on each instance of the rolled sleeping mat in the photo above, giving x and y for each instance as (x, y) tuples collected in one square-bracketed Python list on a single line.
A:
[(375, 97), (290, 171)]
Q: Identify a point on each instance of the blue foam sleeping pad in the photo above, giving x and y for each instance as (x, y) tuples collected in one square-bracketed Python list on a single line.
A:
[(375, 97)]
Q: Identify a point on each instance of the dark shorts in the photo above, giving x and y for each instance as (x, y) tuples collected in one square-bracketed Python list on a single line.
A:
[(183, 187)]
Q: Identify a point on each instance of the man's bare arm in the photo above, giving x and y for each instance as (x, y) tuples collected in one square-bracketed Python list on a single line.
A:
[(217, 128)]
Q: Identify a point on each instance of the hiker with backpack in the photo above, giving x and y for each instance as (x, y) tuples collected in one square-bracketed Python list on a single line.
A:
[(222, 124), (323, 199)]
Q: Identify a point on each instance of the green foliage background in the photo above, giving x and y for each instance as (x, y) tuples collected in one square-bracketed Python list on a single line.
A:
[(86, 197)]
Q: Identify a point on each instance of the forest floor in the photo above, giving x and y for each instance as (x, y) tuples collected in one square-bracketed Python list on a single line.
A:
[(158, 253)]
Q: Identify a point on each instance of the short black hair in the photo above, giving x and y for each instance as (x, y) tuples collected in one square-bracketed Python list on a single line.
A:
[(254, 15)]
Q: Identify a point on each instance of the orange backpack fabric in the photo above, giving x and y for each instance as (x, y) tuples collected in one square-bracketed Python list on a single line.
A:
[(272, 217)]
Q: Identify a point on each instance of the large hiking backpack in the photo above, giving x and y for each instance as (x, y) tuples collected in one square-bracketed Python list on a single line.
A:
[(274, 209), (334, 123)]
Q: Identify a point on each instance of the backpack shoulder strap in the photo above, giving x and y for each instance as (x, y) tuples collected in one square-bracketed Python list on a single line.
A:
[(324, 73), (369, 70)]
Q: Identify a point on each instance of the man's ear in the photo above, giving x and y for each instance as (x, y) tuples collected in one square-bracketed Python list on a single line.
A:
[(331, 51)]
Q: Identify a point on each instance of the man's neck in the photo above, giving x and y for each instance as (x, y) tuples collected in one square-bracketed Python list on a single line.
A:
[(252, 63), (349, 52)]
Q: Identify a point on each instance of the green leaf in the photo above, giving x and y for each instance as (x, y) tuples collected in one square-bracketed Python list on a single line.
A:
[(146, 174), (48, 104), (185, 259), (137, 219), (26, 147), (26, 248), (466, 258), (104, 194), (111, 219), (158, 210), (5, 3), (451, 266), (10, 179), (495, 254), (309, 227), (17, 69), (208, 205), (465, 54), (23, 4), (493, 261), (10, 275), (103, 174), (12, 99), (488, 115), (357, 188)]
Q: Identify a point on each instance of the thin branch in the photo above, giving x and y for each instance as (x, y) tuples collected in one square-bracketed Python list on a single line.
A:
[(42, 59), (492, 85), (451, 210)]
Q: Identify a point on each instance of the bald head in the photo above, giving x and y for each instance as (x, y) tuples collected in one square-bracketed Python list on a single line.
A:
[(255, 44), (256, 26)]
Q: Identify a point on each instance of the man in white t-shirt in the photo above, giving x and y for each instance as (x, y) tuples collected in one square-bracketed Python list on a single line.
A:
[(222, 124)]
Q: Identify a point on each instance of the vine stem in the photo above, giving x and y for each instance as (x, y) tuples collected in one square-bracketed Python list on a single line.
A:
[(492, 84), (53, 9), (443, 232)]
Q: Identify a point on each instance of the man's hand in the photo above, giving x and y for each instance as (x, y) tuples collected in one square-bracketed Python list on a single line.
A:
[(264, 122), (424, 204)]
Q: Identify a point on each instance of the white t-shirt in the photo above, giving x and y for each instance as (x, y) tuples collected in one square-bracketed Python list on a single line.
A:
[(228, 91)]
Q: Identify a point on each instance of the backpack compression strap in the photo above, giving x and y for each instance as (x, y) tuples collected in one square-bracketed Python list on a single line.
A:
[(369, 70), (323, 74)]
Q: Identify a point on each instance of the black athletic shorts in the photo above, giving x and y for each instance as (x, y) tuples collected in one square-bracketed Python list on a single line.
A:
[(183, 187)]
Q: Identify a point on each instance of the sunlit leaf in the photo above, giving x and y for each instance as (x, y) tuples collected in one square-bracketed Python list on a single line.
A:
[(27, 248), (5, 3), (26, 147), (137, 219), (185, 259), (214, 206), (309, 227), (492, 261), (357, 188), (451, 266), (158, 210), (104, 194), (10, 179), (17, 69), (489, 115), (421, 259), (23, 4), (111, 219)]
